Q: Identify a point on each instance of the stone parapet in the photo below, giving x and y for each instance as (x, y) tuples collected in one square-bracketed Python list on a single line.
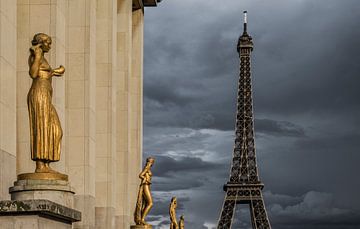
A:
[(42, 208)]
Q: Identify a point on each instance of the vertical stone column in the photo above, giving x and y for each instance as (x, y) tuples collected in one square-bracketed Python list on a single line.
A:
[(35, 16), (124, 57), (80, 106), (135, 106), (106, 81), (128, 110), (7, 96)]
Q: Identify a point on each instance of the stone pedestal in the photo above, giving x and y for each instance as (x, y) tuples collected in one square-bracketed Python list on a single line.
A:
[(39, 201), (58, 191), (141, 227)]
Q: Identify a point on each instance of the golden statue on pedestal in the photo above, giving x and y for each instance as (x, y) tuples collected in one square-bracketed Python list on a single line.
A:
[(45, 128), (144, 200), (182, 222), (172, 213)]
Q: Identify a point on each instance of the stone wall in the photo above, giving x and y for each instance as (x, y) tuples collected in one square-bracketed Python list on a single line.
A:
[(7, 96)]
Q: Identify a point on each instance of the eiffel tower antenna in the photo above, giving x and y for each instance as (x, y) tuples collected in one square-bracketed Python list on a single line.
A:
[(245, 21), (244, 186)]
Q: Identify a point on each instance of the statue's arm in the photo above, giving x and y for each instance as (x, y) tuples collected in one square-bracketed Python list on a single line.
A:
[(142, 175), (172, 215), (35, 61), (58, 71)]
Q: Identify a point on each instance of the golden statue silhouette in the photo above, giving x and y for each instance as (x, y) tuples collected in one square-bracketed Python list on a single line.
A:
[(181, 222), (144, 200), (172, 213), (45, 128)]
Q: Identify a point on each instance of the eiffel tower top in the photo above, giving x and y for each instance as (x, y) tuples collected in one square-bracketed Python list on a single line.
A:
[(245, 40)]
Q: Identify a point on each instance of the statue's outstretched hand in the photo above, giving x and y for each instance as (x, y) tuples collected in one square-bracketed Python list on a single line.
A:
[(59, 71)]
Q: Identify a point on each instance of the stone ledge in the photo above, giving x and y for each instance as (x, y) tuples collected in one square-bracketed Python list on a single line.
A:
[(140, 4), (31, 185), (43, 208), (150, 2)]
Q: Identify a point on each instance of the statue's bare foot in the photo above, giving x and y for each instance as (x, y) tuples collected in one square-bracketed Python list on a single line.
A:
[(142, 222), (49, 169), (40, 167)]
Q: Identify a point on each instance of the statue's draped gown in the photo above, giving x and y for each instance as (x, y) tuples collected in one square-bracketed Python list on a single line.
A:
[(45, 128)]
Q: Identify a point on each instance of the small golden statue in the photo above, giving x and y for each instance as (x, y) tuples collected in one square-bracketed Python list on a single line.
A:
[(172, 213), (181, 222), (144, 200), (45, 128)]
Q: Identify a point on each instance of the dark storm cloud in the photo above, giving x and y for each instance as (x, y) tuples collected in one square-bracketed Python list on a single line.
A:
[(157, 90), (168, 166), (305, 69), (180, 182), (317, 162), (311, 210), (154, 217), (315, 209), (321, 63), (279, 128)]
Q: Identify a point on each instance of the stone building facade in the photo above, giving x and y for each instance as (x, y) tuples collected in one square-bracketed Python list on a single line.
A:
[(99, 99)]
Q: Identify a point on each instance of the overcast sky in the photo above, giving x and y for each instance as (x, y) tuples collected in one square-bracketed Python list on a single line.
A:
[(305, 69)]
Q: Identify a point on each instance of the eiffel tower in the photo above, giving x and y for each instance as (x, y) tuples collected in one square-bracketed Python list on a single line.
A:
[(244, 186)]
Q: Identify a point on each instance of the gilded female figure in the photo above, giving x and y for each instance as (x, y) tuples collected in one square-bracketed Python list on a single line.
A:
[(172, 213), (182, 222), (144, 201), (45, 128)]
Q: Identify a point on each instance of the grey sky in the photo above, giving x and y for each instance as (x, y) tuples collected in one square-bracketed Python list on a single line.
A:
[(306, 82)]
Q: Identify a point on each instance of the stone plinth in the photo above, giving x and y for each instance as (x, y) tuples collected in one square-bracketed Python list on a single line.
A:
[(36, 214), (43, 176), (58, 191), (141, 227)]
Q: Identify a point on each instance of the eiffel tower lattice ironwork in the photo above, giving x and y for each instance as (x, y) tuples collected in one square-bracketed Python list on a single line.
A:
[(244, 186)]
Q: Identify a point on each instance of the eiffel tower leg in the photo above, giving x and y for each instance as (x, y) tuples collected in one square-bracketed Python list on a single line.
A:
[(259, 217), (227, 213)]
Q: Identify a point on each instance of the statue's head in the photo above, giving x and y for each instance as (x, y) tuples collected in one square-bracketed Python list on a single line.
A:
[(43, 40), (150, 161), (173, 201)]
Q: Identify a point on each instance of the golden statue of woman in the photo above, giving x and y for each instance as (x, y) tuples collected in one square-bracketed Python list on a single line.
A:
[(172, 213), (182, 222), (144, 201), (45, 128)]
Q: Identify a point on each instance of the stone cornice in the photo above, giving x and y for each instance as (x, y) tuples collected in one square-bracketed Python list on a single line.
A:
[(140, 4), (43, 208)]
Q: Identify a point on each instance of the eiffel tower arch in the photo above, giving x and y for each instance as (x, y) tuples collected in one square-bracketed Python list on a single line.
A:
[(244, 185)]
